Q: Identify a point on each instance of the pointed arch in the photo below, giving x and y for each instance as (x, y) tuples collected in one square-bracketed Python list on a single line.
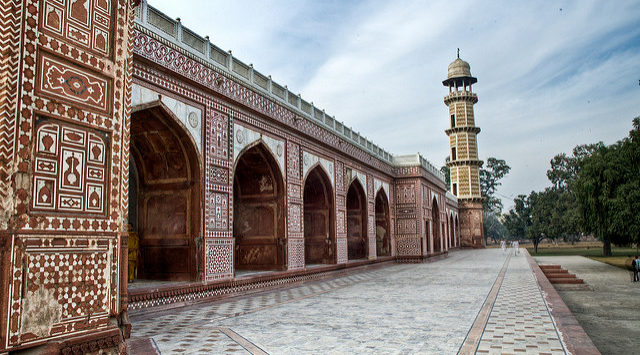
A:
[(167, 195), (318, 219), (435, 226), (458, 236), (383, 231), (357, 238), (319, 165), (258, 211), (451, 241)]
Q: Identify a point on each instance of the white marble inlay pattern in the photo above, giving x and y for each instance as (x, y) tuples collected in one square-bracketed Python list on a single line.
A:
[(189, 116), (309, 161), (353, 174), (379, 184), (243, 137)]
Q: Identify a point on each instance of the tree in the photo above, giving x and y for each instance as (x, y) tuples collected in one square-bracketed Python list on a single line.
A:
[(447, 173), (564, 168), (490, 176), (518, 219), (493, 227), (626, 202), (563, 174), (546, 222), (603, 183)]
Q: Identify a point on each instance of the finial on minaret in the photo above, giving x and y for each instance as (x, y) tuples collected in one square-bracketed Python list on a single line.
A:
[(458, 53)]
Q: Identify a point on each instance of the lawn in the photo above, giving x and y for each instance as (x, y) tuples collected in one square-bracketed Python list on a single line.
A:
[(620, 256)]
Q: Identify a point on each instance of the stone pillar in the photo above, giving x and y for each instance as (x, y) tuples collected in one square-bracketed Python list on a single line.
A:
[(63, 172), (471, 226)]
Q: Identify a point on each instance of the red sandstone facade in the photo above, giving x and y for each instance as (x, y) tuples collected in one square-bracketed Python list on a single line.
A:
[(112, 114)]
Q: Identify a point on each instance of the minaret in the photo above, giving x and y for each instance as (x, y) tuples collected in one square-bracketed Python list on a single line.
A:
[(464, 164)]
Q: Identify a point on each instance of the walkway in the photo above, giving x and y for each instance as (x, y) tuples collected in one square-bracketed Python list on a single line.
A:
[(401, 309), (608, 308)]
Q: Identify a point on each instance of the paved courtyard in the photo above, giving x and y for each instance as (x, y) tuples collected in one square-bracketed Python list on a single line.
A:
[(474, 300), (608, 308)]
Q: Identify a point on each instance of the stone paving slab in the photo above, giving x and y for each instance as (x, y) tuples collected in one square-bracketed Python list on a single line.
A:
[(400, 309), (609, 309), (520, 321)]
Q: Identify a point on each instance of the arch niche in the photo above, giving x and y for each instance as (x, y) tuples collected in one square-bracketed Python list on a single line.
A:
[(383, 235), (435, 225), (457, 235), (164, 195), (319, 230), (258, 211), (451, 241), (357, 239)]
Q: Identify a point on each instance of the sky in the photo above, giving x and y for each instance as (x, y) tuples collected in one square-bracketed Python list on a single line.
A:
[(551, 74)]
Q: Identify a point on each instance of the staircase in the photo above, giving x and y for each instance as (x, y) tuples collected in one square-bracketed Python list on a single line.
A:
[(557, 275)]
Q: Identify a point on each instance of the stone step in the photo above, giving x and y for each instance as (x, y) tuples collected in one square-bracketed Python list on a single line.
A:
[(566, 280), (558, 274), (547, 267)]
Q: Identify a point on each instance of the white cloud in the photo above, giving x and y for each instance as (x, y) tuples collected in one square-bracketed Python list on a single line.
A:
[(550, 75)]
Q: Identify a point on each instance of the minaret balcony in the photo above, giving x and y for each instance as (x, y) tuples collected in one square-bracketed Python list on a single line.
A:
[(458, 129), (461, 96), (465, 162)]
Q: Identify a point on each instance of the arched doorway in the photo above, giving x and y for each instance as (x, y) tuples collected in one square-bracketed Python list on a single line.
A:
[(357, 239), (319, 231), (458, 237), (426, 233), (164, 196), (383, 235), (435, 223), (258, 211), (451, 241)]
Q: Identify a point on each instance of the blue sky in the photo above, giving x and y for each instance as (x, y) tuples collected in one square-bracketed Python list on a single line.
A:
[(551, 74)]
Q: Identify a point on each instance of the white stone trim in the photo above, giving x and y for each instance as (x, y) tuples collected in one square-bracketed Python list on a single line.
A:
[(309, 160), (353, 174), (243, 137), (379, 184), (189, 116)]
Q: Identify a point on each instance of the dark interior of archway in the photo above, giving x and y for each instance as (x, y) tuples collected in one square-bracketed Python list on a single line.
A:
[(426, 228), (319, 242), (356, 222), (435, 218), (258, 212), (166, 196), (383, 237), (450, 232)]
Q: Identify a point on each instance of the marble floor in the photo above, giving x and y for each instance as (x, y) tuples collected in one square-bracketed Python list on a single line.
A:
[(398, 309)]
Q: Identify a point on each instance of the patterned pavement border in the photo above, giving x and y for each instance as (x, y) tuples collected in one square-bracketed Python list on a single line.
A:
[(572, 335)]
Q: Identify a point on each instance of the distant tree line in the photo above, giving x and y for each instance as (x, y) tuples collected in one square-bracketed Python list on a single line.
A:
[(595, 191)]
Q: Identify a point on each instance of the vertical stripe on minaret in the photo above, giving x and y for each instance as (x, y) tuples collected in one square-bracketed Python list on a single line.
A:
[(464, 164)]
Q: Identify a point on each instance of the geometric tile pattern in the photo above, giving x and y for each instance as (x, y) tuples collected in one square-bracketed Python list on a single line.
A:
[(69, 170), (408, 245), (520, 321), (73, 20), (68, 285), (195, 331), (68, 135), (218, 259), (296, 253), (399, 308), (11, 24)]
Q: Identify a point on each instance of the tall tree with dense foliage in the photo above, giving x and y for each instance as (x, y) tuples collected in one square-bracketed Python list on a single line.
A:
[(518, 219), (607, 187), (447, 174), (490, 175)]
